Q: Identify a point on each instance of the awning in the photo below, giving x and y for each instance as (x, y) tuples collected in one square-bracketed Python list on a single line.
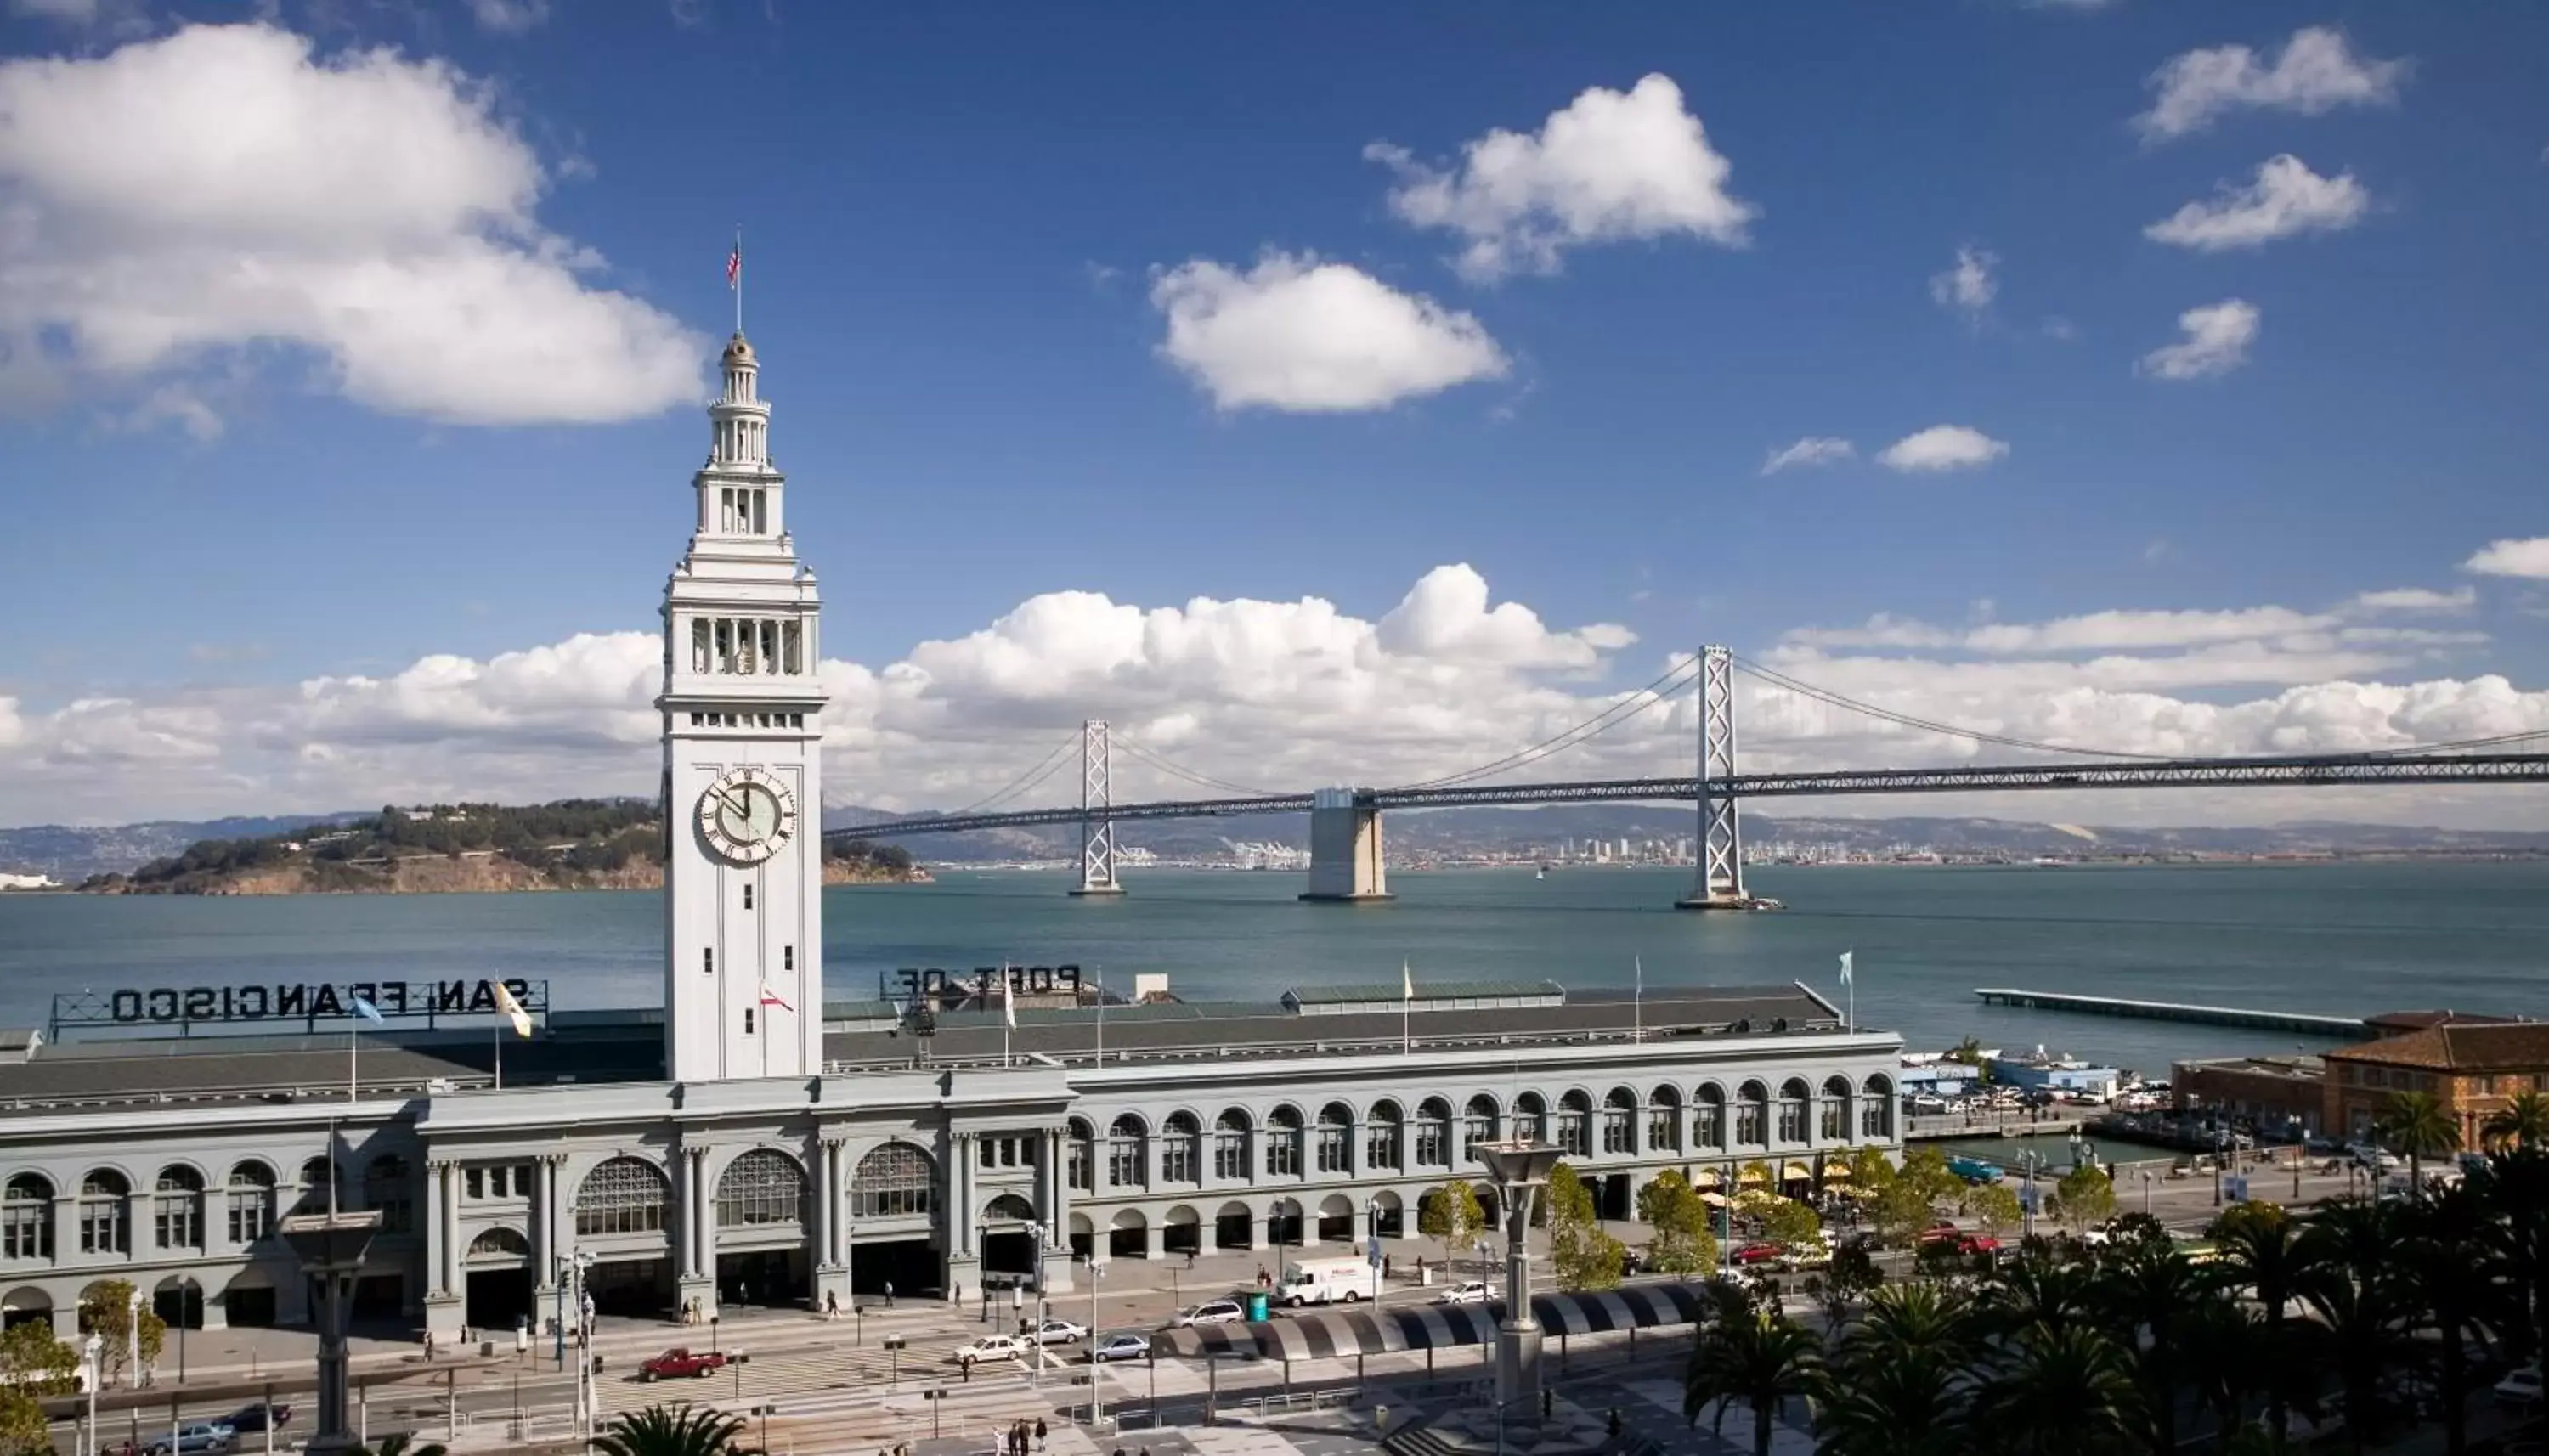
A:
[(1713, 1200), (1836, 1173), (1325, 1334), (1797, 1170), (1752, 1176), (1706, 1178)]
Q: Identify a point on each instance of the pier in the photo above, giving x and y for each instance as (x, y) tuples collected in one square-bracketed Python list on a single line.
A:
[(2340, 1028)]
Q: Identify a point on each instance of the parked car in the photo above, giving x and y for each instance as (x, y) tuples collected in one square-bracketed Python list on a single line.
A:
[(2522, 1387), (679, 1362), (250, 1419), (203, 1435), (1210, 1312), (1756, 1253), (1060, 1333), (1472, 1292), (989, 1347), (1124, 1344)]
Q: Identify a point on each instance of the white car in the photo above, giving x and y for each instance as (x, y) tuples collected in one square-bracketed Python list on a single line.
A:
[(1210, 1312), (2522, 1387), (1475, 1292), (1060, 1333), (989, 1347), (1122, 1345)]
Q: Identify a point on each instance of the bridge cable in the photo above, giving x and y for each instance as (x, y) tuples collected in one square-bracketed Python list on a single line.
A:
[(1584, 732), (1204, 781), (1834, 700), (1042, 770)]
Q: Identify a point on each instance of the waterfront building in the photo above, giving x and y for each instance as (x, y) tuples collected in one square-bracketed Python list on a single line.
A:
[(2273, 1094), (2474, 1068), (748, 1142)]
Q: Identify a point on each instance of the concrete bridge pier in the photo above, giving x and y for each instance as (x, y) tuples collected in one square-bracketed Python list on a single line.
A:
[(1345, 849)]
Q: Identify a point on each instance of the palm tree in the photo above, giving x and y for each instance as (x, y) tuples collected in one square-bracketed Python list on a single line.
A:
[(681, 1429), (2419, 1126), (401, 1443), (2515, 1185), (2262, 1248), (2068, 1390), (2355, 1291), (1898, 1383), (2037, 1291), (1761, 1360), (2144, 1294), (2524, 1123), (2448, 1264), (2218, 1339)]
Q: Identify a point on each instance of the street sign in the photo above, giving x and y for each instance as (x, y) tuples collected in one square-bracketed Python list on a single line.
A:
[(1372, 1250)]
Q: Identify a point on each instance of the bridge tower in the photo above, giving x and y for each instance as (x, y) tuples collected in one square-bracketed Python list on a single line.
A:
[(1345, 849), (1096, 813), (1720, 883)]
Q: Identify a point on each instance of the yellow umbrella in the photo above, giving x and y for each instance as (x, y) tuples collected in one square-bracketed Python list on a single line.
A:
[(1707, 1179), (1751, 1177), (1799, 1170), (1713, 1200)]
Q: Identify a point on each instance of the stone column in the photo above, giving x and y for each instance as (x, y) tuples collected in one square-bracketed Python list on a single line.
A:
[(451, 1230), (827, 1202), (544, 1228), (1681, 1130), (960, 1192), (435, 1175)]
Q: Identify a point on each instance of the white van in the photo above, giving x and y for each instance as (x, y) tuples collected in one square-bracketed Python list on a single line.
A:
[(1326, 1281)]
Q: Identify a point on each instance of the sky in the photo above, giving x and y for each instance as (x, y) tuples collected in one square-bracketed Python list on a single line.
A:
[(1320, 393)]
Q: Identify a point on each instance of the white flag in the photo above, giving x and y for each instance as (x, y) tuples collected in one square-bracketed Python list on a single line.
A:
[(1407, 980), (1844, 967), (1010, 1000)]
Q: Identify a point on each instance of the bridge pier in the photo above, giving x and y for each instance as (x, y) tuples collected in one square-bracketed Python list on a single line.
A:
[(1719, 885), (1345, 850), (1096, 814)]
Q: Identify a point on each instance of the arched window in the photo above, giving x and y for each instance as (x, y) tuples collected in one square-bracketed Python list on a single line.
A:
[(1381, 1137), (1793, 1097), (1574, 1125), (1230, 1144), (1283, 1143), (500, 1243), (626, 1195), (1477, 1124), (177, 1208), (26, 1217), (1876, 1109), (317, 1186), (1335, 1150), (1433, 1134), (760, 1189), (1831, 1117), (103, 1226), (1180, 1148), (250, 1199), (1620, 1121), (1079, 1156), (1708, 1119), (387, 1187), (1753, 1116), (1128, 1153), (1663, 1134), (895, 1181), (1529, 1117)]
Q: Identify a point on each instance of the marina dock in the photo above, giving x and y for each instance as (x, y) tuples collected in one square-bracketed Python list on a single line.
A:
[(2341, 1028)]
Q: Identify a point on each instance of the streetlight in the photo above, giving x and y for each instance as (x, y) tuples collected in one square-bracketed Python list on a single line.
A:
[(331, 1246), (2029, 1159), (1521, 1169), (2147, 1185), (189, 1309), (2221, 1142), (1372, 1250), (2293, 1120), (92, 1352), (1096, 1272)]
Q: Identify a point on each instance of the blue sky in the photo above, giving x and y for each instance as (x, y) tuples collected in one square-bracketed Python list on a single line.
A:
[(965, 225)]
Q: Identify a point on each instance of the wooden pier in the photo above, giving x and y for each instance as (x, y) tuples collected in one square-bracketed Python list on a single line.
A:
[(2339, 1028)]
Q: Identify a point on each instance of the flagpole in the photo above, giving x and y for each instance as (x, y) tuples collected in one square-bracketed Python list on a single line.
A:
[(496, 1035), (1102, 1014), (1638, 1004), (739, 278)]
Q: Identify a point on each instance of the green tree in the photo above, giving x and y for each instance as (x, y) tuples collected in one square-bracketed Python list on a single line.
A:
[(2451, 1267), (2144, 1294), (2085, 1197), (1900, 1382), (1925, 1173), (108, 1310), (1759, 1359), (2261, 1250), (2521, 1123), (1870, 1172), (680, 1429), (401, 1443), (2067, 1390), (1782, 1221), (1994, 1204), (34, 1365), (1451, 1213), (2356, 1294), (1583, 1255), (2418, 1125), (2514, 1183), (1682, 1242), (1900, 1213)]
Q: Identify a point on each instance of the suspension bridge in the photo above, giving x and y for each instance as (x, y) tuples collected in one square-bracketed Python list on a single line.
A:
[(1346, 862)]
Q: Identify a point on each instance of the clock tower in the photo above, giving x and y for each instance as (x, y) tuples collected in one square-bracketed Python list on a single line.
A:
[(743, 783)]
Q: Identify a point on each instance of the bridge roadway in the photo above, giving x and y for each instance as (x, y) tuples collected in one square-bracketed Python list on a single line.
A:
[(2307, 771)]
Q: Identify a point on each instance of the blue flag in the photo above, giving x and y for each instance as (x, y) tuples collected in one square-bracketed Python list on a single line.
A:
[(366, 1010)]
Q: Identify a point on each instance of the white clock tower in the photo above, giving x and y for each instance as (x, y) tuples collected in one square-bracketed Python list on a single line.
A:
[(743, 782)]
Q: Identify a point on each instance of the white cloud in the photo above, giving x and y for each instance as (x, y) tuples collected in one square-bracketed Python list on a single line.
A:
[(1969, 286), (2092, 632), (187, 203), (2316, 72), (70, 12), (1941, 447), (2217, 341), (2512, 557), (508, 16), (1300, 335), (1611, 167), (1811, 450), (2285, 198), (2418, 598)]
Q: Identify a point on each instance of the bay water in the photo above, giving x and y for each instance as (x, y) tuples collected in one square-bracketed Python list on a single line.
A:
[(2340, 939)]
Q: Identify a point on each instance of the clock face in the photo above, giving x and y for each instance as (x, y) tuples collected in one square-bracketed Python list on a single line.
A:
[(746, 815)]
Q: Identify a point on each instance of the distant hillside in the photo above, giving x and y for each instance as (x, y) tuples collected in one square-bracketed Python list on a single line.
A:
[(72, 854)]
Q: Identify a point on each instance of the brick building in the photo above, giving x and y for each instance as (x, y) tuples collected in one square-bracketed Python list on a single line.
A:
[(2475, 1068)]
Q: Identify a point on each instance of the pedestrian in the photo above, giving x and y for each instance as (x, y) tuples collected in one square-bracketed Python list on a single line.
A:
[(968, 1368), (832, 1305), (1615, 1422), (888, 1294), (428, 1347), (1549, 1404), (1191, 1256), (1040, 1432)]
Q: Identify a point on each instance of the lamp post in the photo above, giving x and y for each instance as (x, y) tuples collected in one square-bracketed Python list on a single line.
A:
[(1372, 1250), (2027, 1160), (1096, 1272), (2220, 1143), (190, 1309), (1521, 1169), (331, 1248), (92, 1351), (2299, 1148), (2147, 1185)]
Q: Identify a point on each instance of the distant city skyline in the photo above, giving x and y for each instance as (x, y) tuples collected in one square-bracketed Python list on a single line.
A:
[(2133, 378)]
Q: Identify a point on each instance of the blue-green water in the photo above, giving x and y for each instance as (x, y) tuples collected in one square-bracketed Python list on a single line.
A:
[(2340, 939)]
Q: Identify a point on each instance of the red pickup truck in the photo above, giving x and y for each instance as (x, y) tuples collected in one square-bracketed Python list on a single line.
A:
[(678, 1361)]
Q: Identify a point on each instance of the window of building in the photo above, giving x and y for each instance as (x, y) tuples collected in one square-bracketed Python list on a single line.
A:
[(1664, 1133), (1180, 1148), (759, 1189), (1574, 1125), (26, 1218), (1530, 1117), (1620, 1121), (625, 1195), (1433, 1134), (1380, 1131), (747, 894), (895, 1181), (1127, 1154), (747, 1021), (1708, 1119), (103, 1221), (787, 958), (1230, 1144), (1283, 1143), (250, 1197), (177, 1208), (1792, 1111), (386, 1188), (1335, 1147), (1080, 1167), (1876, 1109), (1477, 1124), (707, 960), (1831, 1113), (1753, 1116)]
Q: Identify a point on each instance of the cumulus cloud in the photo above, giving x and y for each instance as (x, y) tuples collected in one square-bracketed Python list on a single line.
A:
[(2416, 599), (183, 204), (2512, 557), (1611, 167), (2284, 199), (1941, 447), (1811, 450), (1296, 333), (2217, 341), (2315, 72), (1969, 286), (508, 16)]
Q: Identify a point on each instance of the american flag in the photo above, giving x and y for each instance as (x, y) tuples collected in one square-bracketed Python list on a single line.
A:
[(735, 266)]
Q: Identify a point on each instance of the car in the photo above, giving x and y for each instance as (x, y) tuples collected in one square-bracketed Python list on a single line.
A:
[(1124, 1344), (680, 1361), (1060, 1333), (2522, 1387), (249, 1419), (1471, 1292), (989, 1347), (1757, 1253), (1805, 1256), (203, 1435), (1210, 1312)]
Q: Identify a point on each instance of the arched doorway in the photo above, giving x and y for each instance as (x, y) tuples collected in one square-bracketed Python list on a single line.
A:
[(760, 1230), (1128, 1237), (26, 1306), (1388, 1215), (620, 1219), (1336, 1219), (1233, 1227), (498, 1272), (1182, 1232), (1008, 1238), (1284, 1228), (179, 1302), (894, 1206)]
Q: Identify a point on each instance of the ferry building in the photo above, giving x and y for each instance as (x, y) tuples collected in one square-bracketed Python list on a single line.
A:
[(750, 1143)]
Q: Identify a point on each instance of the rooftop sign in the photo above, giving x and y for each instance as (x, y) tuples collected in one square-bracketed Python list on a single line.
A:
[(303, 1001)]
